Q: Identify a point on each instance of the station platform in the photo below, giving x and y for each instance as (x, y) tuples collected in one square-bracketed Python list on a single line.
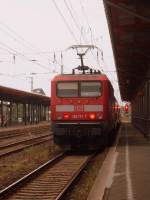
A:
[(125, 175), (131, 177)]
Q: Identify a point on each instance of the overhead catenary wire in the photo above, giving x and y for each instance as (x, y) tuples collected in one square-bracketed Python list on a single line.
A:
[(74, 11), (66, 23), (88, 24), (15, 52), (83, 12), (75, 15), (23, 76), (87, 21), (31, 73), (75, 22), (78, 27), (11, 76), (18, 38)]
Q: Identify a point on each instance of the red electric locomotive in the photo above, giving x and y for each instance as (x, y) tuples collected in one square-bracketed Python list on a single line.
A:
[(83, 109)]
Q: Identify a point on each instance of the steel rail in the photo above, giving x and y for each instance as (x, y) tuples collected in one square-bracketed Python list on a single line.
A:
[(18, 149), (23, 141), (62, 174), (74, 177), (11, 135), (21, 133), (6, 191), (6, 132)]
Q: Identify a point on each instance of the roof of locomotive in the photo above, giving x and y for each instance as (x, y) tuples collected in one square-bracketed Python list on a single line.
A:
[(77, 77)]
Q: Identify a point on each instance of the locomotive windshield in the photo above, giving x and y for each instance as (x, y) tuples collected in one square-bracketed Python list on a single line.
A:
[(79, 89), (90, 89), (67, 89)]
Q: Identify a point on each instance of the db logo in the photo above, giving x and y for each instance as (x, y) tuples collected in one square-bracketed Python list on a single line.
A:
[(78, 108)]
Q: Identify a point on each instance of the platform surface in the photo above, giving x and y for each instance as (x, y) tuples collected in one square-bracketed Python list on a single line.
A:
[(131, 178)]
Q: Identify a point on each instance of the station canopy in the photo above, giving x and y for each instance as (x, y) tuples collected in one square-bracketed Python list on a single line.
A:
[(18, 96), (129, 25)]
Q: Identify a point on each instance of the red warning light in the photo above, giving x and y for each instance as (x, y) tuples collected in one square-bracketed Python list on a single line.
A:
[(126, 108), (92, 116), (66, 116)]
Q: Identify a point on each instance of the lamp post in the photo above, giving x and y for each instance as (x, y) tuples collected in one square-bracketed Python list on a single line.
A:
[(31, 81)]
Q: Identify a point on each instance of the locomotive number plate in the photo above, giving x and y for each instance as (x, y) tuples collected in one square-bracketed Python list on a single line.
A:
[(78, 108), (78, 116)]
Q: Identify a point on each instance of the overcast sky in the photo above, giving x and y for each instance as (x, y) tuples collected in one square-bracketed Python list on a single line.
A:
[(32, 31)]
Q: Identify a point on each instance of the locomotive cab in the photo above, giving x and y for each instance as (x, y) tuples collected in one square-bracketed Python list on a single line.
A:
[(79, 109)]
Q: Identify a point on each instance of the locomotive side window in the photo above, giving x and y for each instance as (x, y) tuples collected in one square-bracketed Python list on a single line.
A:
[(90, 89), (67, 89)]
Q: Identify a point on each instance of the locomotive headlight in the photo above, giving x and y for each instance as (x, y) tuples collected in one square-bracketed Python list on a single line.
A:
[(92, 116)]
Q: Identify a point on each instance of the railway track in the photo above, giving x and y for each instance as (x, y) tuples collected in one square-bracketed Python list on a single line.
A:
[(11, 135), (49, 181), (22, 133), (7, 148), (22, 130)]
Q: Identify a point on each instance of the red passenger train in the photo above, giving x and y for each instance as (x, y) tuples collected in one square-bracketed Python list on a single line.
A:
[(83, 109)]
